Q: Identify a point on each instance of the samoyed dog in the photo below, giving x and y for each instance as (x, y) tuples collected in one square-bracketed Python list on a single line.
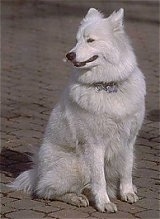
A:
[(90, 137)]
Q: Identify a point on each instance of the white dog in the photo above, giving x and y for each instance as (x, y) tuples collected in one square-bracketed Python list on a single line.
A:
[(91, 133)]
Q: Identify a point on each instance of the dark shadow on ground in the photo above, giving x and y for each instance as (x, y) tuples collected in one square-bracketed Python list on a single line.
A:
[(154, 115), (14, 162)]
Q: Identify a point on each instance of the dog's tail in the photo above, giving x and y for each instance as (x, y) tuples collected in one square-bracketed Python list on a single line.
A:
[(25, 181)]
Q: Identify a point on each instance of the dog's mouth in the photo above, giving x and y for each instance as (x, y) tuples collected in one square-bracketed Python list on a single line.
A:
[(80, 64)]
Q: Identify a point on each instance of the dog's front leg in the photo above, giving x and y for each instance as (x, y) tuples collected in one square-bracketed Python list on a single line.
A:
[(127, 189), (94, 158)]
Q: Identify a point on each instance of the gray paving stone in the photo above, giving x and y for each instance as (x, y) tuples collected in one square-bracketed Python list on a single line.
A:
[(119, 214), (149, 203), (147, 172), (89, 209), (25, 214), (128, 208), (68, 213), (6, 209), (149, 214), (61, 205), (18, 195), (149, 164), (26, 204), (6, 200), (147, 192)]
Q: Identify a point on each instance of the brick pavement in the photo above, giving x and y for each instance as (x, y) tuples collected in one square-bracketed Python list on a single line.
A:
[(35, 37)]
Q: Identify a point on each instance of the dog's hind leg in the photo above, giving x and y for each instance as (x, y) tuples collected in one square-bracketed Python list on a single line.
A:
[(61, 190), (74, 199), (64, 180)]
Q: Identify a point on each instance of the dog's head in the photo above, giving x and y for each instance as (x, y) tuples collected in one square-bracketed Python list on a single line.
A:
[(99, 40)]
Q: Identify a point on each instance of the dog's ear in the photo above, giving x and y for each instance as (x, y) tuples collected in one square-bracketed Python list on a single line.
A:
[(116, 18), (92, 12)]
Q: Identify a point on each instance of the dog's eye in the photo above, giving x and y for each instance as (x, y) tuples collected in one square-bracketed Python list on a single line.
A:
[(90, 40)]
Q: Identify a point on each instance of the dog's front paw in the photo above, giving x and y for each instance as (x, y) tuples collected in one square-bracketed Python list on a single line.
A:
[(110, 207), (103, 203), (129, 197), (128, 193)]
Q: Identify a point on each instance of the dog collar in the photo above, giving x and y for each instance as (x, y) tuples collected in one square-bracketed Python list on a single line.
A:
[(109, 87)]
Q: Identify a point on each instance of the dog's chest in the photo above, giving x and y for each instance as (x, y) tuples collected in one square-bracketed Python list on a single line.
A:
[(100, 129)]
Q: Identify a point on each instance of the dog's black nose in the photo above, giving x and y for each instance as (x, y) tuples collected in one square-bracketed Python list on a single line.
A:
[(71, 56)]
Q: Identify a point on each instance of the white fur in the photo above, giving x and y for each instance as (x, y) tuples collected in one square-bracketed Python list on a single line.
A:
[(90, 135)]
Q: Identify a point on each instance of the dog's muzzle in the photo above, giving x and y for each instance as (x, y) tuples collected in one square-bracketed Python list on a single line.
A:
[(71, 56)]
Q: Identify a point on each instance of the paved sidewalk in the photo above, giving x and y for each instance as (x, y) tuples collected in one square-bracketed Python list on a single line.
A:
[(35, 36)]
